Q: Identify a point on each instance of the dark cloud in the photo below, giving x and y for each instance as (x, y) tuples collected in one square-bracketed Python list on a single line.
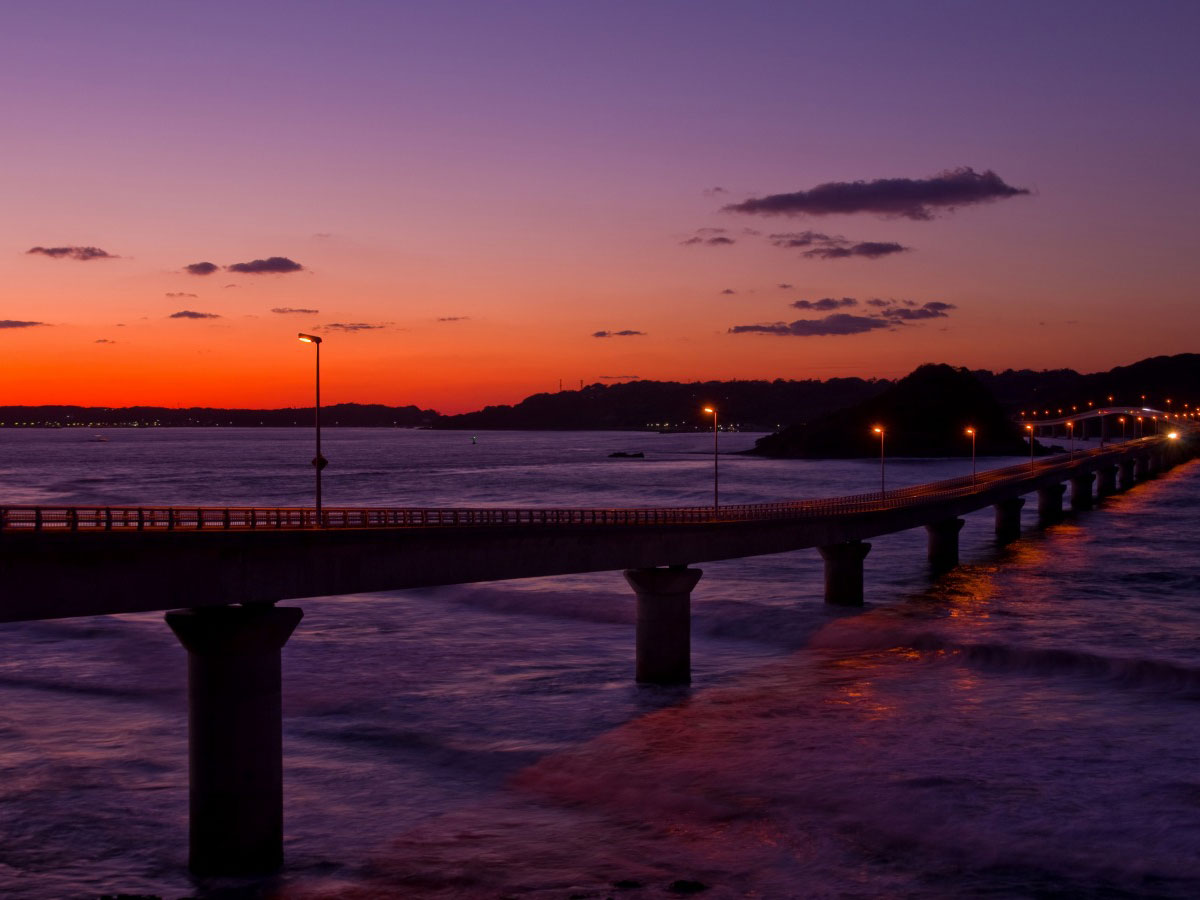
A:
[(729, 291), (876, 301), (825, 303), (289, 310), (791, 240), (910, 198), (83, 254), (227, 286), (272, 265), (835, 324), (867, 249), (831, 246), (16, 323), (784, 286), (626, 333), (453, 318), (932, 310), (179, 294), (191, 314), (201, 268), (351, 326), (103, 341), (711, 237), (714, 191)]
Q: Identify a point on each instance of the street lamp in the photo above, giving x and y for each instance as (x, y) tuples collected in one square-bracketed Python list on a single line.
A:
[(971, 432), (1029, 428), (1121, 419), (878, 429), (713, 410), (319, 462), (1071, 433)]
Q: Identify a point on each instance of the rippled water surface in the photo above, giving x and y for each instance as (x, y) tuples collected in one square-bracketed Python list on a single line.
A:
[(1026, 726)]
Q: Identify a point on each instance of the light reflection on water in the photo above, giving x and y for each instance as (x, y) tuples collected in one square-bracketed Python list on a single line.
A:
[(1026, 725)]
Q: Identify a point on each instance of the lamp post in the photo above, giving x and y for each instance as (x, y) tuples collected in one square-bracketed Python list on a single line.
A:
[(971, 432), (1029, 428), (319, 462), (1121, 419), (878, 429), (1071, 434), (713, 410)]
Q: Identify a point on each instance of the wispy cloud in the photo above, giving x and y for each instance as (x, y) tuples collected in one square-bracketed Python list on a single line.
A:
[(17, 323), (932, 310), (192, 314), (629, 332), (103, 341), (710, 237), (825, 303), (180, 294), (619, 377), (83, 254), (453, 318), (830, 246), (728, 291), (911, 198), (835, 324), (351, 326), (784, 286), (201, 268), (291, 310), (272, 265)]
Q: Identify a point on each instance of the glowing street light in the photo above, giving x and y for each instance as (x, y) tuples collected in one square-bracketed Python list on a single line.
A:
[(971, 432), (1071, 432), (319, 462), (1029, 428), (878, 429), (1141, 427), (1121, 419), (1173, 435), (713, 410)]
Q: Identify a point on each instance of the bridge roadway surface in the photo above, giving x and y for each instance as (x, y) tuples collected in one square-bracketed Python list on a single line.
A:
[(59, 562)]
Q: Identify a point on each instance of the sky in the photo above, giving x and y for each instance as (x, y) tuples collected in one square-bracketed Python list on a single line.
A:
[(471, 201)]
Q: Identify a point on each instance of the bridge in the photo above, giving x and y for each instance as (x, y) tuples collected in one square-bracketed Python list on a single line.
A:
[(221, 571)]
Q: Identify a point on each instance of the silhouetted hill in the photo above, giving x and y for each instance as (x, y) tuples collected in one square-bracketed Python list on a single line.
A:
[(1158, 378), (926, 413), (650, 404)]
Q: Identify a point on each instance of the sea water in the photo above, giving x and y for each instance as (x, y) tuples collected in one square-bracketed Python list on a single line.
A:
[(1025, 726)]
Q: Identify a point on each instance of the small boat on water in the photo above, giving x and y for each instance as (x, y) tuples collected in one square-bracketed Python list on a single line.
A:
[(622, 454), (98, 439)]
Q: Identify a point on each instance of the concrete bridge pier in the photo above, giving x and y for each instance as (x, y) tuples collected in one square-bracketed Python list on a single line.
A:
[(1106, 482), (1146, 467), (1128, 476), (664, 623), (1081, 490), (1050, 503), (943, 543), (1008, 519), (235, 735), (844, 572)]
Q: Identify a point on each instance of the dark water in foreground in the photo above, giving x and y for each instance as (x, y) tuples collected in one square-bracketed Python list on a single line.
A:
[(1027, 726)]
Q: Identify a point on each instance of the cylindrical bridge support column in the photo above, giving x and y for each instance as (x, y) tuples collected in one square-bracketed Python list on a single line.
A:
[(664, 623), (235, 735), (1128, 475), (943, 543), (1106, 481), (1050, 503), (1008, 518), (1147, 467), (844, 572), (1081, 490)]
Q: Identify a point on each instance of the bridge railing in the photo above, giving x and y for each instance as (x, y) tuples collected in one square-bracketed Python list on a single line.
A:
[(193, 518)]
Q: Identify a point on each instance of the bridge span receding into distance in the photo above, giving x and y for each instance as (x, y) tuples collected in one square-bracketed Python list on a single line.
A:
[(220, 571)]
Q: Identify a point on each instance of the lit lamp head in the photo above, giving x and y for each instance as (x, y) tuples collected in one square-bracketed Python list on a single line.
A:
[(309, 338), (1029, 428), (970, 431), (878, 429), (709, 409), (1173, 435)]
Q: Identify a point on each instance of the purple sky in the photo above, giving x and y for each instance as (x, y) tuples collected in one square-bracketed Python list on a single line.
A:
[(530, 173)]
